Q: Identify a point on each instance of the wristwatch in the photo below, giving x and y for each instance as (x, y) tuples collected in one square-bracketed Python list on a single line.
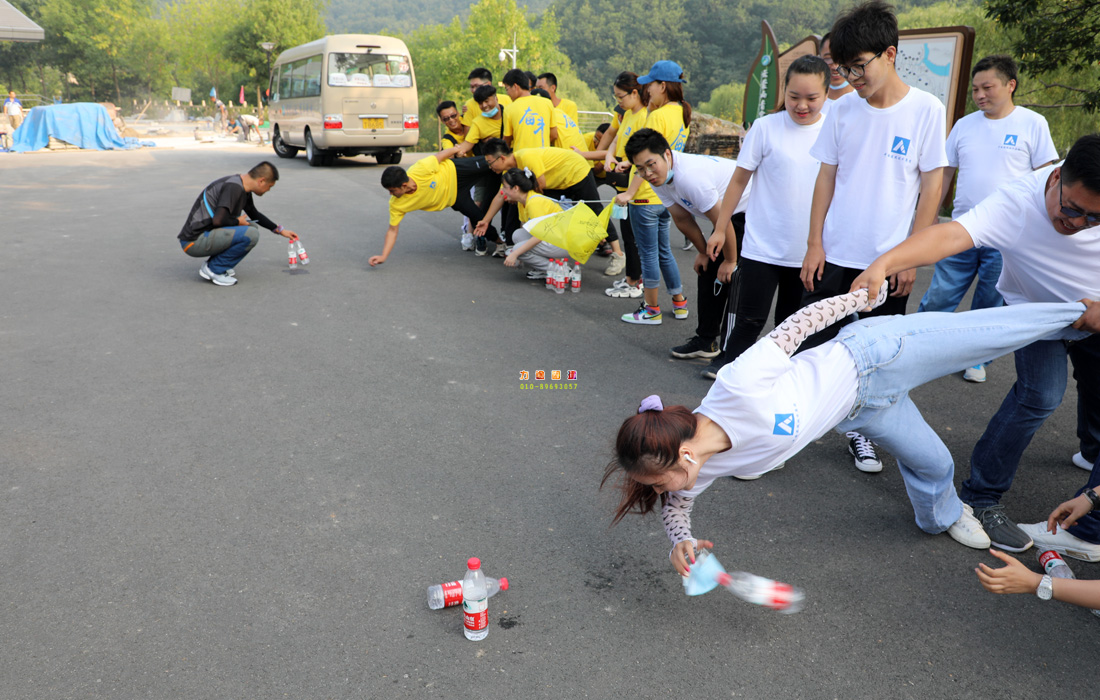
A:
[(1045, 591), (1091, 494)]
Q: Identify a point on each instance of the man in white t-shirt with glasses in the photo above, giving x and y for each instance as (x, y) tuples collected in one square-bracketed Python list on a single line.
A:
[(997, 144), (1045, 225)]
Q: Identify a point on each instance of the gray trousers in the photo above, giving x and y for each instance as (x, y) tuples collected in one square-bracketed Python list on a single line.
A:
[(539, 256)]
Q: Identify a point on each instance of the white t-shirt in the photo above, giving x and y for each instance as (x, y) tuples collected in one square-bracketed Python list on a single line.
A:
[(771, 406), (698, 183), (880, 155), (990, 152), (1040, 264), (778, 217)]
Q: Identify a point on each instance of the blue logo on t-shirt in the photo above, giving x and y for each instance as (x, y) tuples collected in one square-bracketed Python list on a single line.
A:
[(900, 147), (432, 185), (1010, 139), (784, 424), (686, 203)]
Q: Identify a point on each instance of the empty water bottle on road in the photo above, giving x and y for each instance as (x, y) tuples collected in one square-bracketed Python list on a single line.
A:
[(475, 602), (575, 279), (302, 256), (449, 594), (550, 272), (763, 591), (292, 255)]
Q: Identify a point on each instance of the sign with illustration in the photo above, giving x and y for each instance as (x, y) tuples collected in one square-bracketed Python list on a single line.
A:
[(938, 60)]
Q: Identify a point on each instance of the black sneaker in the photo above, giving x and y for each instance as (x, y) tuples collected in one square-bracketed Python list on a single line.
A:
[(863, 452), (1002, 532), (696, 347), (711, 371), (480, 246)]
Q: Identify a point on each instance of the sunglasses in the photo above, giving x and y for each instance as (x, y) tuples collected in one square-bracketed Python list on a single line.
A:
[(1069, 212)]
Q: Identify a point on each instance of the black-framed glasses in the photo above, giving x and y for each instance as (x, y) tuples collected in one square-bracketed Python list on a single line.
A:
[(856, 71), (1069, 212)]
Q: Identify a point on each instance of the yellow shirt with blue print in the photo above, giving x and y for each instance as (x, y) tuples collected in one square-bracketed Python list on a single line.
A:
[(436, 189)]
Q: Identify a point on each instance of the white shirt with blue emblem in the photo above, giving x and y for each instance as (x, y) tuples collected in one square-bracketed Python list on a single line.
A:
[(770, 406), (698, 183)]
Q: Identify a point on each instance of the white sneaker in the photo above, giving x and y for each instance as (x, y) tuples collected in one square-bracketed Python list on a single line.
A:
[(222, 280), (975, 374), (467, 241), (624, 290), (1080, 461), (968, 531), (1062, 542), (617, 265)]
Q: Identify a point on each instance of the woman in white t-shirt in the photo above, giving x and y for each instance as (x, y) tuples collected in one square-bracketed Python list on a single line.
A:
[(775, 155), (765, 407)]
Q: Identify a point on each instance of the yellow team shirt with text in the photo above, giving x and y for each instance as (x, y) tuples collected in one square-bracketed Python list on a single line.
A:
[(473, 109), (569, 134), (632, 122), (528, 121)]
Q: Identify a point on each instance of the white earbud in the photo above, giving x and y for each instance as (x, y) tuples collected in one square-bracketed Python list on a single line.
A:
[(690, 460)]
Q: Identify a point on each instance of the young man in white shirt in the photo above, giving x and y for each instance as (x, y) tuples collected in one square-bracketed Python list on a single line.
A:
[(997, 144), (691, 186), (1045, 225), (879, 149)]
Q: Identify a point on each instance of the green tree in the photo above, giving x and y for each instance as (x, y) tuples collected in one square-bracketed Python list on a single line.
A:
[(197, 54), (285, 23), (726, 102), (1053, 34)]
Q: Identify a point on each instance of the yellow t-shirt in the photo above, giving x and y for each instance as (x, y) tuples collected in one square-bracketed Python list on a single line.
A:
[(528, 121), (537, 205), (473, 109), (569, 134), (668, 120), (483, 128), (450, 139), (561, 168), (632, 122), (569, 107), (436, 189)]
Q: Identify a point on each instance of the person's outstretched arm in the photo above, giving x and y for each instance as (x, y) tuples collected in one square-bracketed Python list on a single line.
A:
[(1014, 577), (924, 247), (676, 516), (803, 323), (387, 247)]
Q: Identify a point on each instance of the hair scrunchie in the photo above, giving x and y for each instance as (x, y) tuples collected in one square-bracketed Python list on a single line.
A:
[(528, 173), (651, 403)]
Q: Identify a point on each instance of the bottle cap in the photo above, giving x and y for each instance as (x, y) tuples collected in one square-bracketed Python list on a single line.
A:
[(473, 563), (503, 583)]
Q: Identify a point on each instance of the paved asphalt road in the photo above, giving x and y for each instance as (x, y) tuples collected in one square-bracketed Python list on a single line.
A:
[(243, 492)]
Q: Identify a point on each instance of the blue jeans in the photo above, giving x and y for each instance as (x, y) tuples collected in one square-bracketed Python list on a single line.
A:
[(1040, 385), (894, 354), (225, 247), (649, 222), (953, 277)]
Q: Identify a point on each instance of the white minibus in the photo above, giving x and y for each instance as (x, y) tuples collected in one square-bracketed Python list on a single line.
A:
[(344, 95)]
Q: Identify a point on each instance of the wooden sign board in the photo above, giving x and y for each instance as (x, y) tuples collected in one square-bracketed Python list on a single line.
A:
[(761, 86), (810, 46), (937, 60)]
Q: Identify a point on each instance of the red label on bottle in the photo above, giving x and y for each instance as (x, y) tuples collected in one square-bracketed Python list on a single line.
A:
[(452, 594), (1049, 560), (781, 595), (475, 615)]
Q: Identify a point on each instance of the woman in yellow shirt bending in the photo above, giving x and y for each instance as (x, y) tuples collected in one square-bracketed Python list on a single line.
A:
[(518, 186)]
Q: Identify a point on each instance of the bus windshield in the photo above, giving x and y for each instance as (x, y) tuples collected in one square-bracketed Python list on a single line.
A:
[(369, 70)]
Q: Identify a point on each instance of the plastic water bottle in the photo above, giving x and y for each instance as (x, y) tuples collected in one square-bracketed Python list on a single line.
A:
[(763, 591), (292, 254), (559, 279), (302, 253), (551, 271), (449, 594), (1054, 565), (475, 602), (575, 279)]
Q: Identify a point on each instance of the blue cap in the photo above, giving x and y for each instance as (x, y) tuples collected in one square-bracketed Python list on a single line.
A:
[(665, 71)]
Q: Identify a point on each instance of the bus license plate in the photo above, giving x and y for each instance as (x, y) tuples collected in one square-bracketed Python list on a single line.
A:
[(374, 123)]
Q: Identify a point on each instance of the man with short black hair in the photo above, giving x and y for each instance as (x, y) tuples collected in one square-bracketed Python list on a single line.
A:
[(480, 77), (435, 183), (995, 145), (454, 130), (549, 83), (529, 121), (1045, 225), (217, 230)]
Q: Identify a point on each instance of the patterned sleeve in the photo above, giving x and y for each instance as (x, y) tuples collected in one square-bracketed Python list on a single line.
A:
[(676, 515), (803, 323)]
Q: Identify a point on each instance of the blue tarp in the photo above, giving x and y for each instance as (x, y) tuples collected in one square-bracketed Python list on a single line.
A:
[(84, 124)]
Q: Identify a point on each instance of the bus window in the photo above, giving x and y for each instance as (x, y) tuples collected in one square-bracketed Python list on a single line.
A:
[(312, 76), (367, 69)]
